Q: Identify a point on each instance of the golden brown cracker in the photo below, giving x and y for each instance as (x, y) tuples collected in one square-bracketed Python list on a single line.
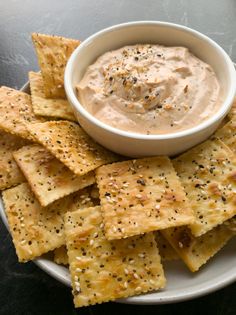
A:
[(48, 178), (208, 174), (35, 230), (102, 271), (196, 251), (53, 53), (16, 112), (139, 196), (71, 145)]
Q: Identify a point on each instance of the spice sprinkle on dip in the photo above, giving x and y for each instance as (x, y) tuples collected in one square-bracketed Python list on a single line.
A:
[(150, 89)]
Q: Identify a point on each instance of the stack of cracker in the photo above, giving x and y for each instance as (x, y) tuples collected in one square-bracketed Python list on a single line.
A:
[(113, 221)]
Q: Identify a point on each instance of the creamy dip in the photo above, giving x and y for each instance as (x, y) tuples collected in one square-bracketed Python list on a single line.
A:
[(150, 89)]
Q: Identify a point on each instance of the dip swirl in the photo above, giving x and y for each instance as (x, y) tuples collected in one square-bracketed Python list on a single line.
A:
[(150, 89)]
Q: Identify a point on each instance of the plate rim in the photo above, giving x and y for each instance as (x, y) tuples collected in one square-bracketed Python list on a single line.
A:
[(210, 287)]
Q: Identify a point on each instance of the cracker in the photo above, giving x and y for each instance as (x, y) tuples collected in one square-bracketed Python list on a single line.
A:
[(48, 177), (10, 174), (140, 196), (16, 112), (102, 271), (42, 106), (53, 53), (165, 249), (208, 174), (35, 229), (196, 251), (60, 256), (227, 134), (71, 145)]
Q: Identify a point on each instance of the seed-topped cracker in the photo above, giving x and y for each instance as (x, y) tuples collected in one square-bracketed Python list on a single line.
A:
[(16, 112), (10, 174), (60, 256), (196, 251), (42, 106), (165, 249), (53, 53), (139, 196), (227, 134), (71, 145), (48, 178), (102, 271), (208, 174)]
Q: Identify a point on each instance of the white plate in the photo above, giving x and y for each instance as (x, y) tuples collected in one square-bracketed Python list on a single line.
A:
[(181, 283)]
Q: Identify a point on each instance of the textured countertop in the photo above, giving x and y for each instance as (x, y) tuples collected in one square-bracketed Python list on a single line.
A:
[(24, 288)]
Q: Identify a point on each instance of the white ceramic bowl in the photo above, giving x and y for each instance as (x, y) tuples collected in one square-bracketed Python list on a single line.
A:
[(133, 144)]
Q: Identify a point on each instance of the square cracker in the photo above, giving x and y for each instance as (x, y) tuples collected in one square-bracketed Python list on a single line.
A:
[(102, 271), (10, 174), (196, 251), (48, 178), (42, 106), (16, 112), (227, 134), (53, 53), (139, 196), (208, 174), (36, 230), (165, 249), (71, 145), (60, 256)]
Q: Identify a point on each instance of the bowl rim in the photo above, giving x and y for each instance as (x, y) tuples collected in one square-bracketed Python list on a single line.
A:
[(220, 114)]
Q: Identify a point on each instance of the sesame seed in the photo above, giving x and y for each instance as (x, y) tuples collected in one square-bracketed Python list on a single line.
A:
[(23, 242), (78, 258), (78, 270), (114, 228), (91, 242), (125, 285), (157, 207), (141, 255), (139, 196), (181, 245), (126, 271), (137, 289), (136, 276)]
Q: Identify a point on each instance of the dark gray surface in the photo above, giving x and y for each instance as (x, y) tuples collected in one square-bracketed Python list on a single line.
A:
[(24, 289)]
